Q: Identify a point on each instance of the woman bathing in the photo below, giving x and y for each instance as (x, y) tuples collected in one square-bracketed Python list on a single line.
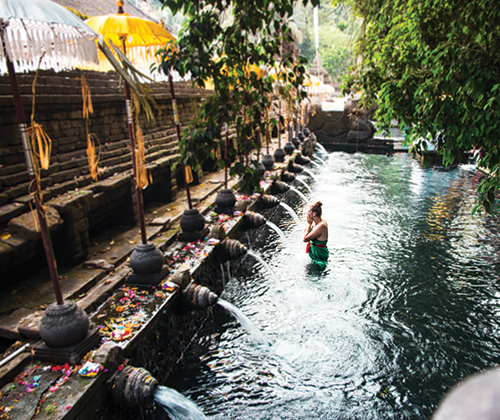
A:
[(316, 235)]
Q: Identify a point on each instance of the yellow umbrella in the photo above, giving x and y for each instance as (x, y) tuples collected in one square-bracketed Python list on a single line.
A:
[(247, 70), (140, 38)]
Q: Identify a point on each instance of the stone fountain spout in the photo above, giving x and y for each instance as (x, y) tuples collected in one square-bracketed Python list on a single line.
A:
[(279, 187), (132, 387), (253, 220), (230, 249), (268, 201), (287, 176), (201, 296)]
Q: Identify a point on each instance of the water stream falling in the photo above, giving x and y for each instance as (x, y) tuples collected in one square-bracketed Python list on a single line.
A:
[(304, 183), (256, 334), (321, 147), (317, 159), (177, 405), (291, 212), (406, 308), (228, 268), (299, 193), (265, 264), (280, 233), (316, 164), (308, 172), (223, 276)]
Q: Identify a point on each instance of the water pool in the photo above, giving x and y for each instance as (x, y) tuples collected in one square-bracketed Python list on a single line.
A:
[(407, 307)]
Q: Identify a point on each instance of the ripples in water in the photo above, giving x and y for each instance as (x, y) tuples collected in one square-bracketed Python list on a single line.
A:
[(407, 306)]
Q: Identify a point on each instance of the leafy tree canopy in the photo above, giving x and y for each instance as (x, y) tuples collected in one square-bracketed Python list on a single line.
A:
[(338, 28), (434, 66), (227, 43)]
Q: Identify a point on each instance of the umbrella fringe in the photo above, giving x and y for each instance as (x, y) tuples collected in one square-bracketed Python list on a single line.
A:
[(65, 46)]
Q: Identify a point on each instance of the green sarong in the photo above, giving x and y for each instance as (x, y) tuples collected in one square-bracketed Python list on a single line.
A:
[(318, 251)]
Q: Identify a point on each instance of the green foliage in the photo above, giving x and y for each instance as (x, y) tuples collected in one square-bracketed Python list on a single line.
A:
[(81, 15), (227, 44), (338, 28), (336, 61), (307, 48), (434, 66)]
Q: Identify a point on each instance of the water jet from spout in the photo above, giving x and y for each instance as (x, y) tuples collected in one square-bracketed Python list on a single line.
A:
[(177, 405), (256, 335), (321, 147), (280, 233), (308, 172), (304, 183), (266, 265), (316, 158), (290, 211), (296, 191)]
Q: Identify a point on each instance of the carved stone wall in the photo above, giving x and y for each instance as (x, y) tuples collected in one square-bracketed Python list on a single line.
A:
[(85, 206)]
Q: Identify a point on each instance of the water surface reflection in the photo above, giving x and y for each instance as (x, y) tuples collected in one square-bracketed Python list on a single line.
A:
[(407, 307)]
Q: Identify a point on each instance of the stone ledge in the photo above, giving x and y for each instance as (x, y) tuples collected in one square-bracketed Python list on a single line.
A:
[(28, 227), (11, 210), (71, 200)]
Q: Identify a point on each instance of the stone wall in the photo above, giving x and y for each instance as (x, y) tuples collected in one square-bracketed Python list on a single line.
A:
[(85, 206), (352, 125)]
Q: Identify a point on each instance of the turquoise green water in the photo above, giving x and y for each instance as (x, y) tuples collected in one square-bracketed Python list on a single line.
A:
[(407, 307)]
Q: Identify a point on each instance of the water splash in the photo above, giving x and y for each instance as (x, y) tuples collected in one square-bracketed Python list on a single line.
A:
[(266, 265), (316, 164), (280, 233), (256, 334), (291, 211), (316, 158), (321, 147), (304, 183), (228, 268), (299, 193), (308, 172), (223, 277), (177, 405)]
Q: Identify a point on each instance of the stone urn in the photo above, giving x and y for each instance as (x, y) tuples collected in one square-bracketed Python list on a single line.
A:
[(279, 155), (63, 325), (261, 170), (301, 136), (192, 221), (268, 162), (146, 259), (225, 201), (289, 147), (307, 132), (296, 142)]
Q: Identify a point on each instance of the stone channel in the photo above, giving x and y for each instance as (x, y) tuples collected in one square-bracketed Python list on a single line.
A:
[(148, 327)]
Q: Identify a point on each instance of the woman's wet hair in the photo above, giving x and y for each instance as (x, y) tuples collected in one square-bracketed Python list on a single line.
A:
[(316, 208)]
